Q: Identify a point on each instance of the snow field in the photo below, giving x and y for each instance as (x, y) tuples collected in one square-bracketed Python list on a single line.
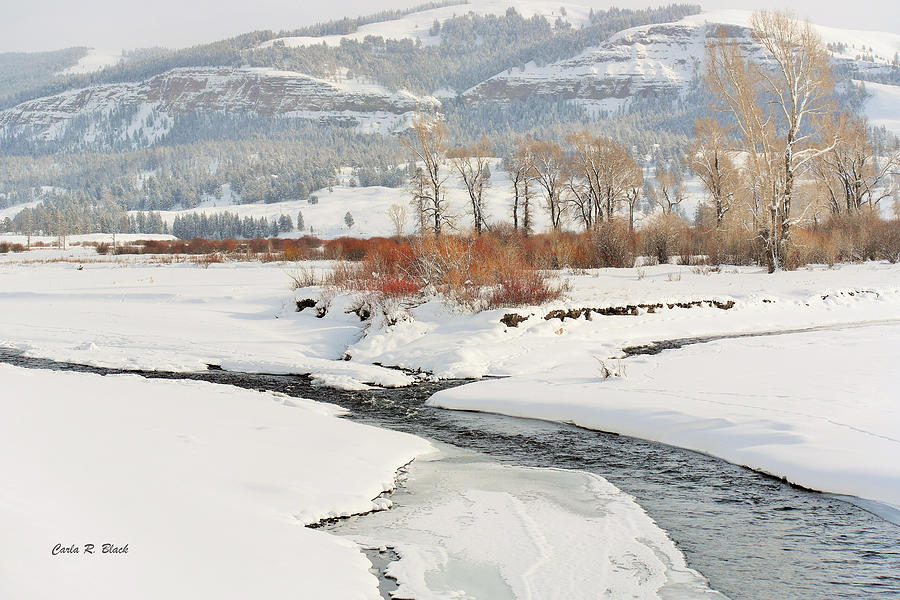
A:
[(369, 207), (817, 408)]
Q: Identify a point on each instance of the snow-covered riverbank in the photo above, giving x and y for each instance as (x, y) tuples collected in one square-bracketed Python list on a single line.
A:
[(208, 486), (820, 408), (817, 408), (134, 313)]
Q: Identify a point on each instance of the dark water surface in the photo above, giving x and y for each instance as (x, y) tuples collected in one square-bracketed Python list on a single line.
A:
[(754, 537)]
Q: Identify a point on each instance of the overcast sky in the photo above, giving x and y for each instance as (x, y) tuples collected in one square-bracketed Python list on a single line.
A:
[(32, 25)]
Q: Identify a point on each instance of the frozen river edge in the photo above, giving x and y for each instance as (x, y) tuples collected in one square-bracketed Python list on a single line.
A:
[(205, 474)]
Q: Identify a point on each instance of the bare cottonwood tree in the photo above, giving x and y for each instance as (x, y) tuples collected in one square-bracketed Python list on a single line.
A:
[(774, 103), (709, 156), (417, 187), (27, 224), (520, 167), (583, 178), (398, 216), (619, 174), (427, 185), (668, 192), (601, 172), (633, 194), (472, 166), (61, 226), (851, 173), (549, 173)]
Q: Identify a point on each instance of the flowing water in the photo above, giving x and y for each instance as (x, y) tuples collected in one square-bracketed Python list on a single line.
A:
[(754, 537)]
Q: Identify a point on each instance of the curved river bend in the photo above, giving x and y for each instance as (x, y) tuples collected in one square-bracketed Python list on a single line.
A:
[(752, 536)]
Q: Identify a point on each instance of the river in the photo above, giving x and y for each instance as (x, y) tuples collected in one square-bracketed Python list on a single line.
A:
[(753, 536)]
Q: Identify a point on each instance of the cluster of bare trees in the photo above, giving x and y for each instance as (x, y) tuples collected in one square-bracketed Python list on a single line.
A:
[(787, 147), (852, 175), (590, 182)]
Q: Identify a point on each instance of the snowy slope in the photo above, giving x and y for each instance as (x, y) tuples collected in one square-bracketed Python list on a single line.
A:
[(650, 60), (883, 107), (93, 61), (640, 61), (12, 211), (417, 25)]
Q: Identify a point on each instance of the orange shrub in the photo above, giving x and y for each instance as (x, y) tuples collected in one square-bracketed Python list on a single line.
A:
[(523, 288)]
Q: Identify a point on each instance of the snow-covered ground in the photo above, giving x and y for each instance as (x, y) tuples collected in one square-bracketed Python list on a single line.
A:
[(76, 240), (817, 407), (369, 207), (882, 108), (130, 313), (204, 491), (208, 486)]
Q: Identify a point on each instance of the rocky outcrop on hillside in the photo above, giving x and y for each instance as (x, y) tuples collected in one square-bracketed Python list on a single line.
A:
[(655, 60), (153, 103)]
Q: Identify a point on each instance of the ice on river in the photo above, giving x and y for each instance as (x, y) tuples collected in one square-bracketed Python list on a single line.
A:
[(468, 528)]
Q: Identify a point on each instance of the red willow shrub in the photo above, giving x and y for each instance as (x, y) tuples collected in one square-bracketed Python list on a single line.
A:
[(8, 247), (525, 288), (460, 261)]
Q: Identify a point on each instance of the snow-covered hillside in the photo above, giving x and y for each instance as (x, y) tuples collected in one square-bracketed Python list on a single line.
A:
[(650, 60), (94, 60), (417, 25), (153, 103), (654, 60), (883, 106)]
